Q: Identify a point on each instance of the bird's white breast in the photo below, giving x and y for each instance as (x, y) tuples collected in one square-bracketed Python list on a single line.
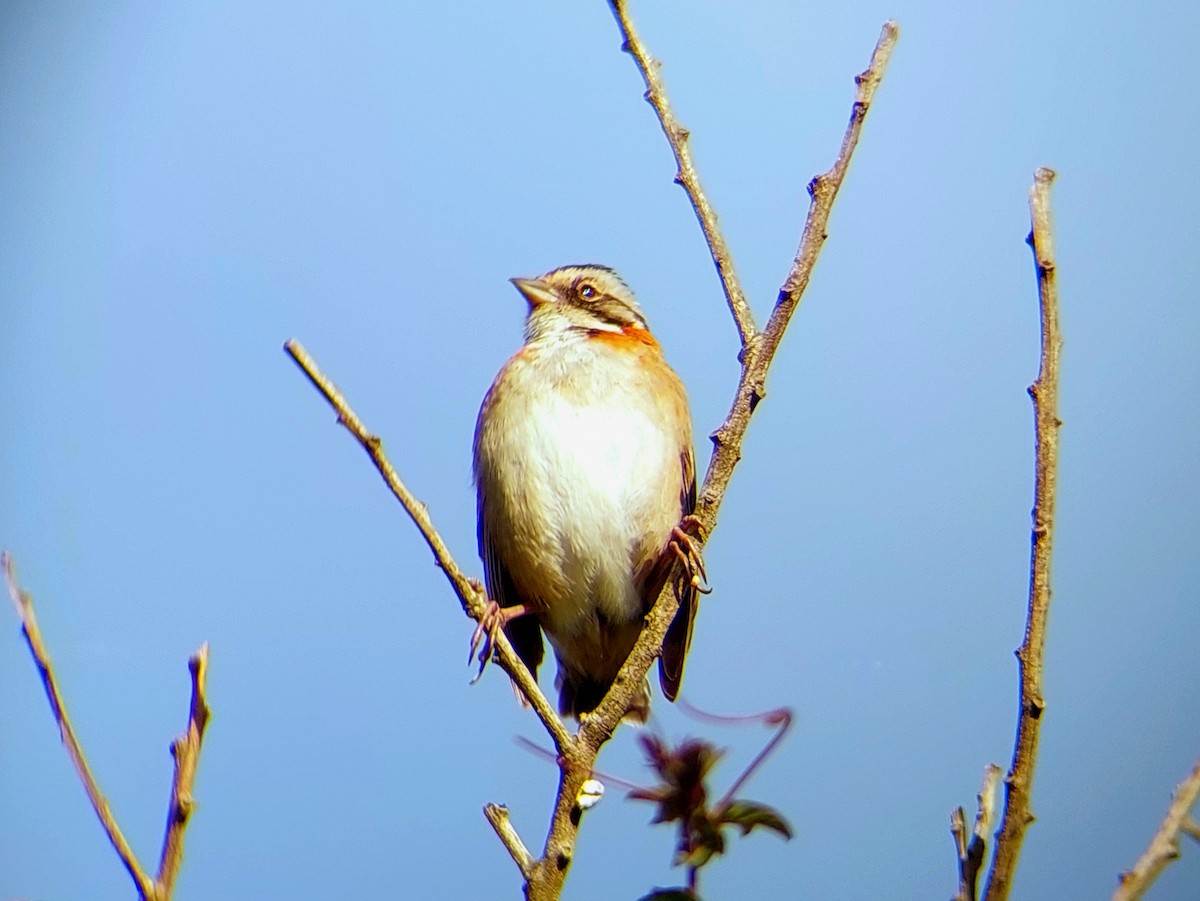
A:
[(581, 476)]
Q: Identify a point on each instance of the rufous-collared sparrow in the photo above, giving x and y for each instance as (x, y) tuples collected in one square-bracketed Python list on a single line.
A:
[(584, 473)]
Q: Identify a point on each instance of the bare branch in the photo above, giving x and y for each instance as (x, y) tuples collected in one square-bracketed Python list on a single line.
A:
[(823, 190), (497, 815), (41, 657), (970, 855), (757, 357), (1164, 847), (1044, 391), (958, 831), (985, 816), (781, 718), (470, 593), (185, 751), (677, 137)]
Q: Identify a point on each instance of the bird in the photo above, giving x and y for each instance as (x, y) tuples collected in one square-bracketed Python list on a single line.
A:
[(586, 488)]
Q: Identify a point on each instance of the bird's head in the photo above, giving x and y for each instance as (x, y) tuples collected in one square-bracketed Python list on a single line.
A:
[(587, 298)]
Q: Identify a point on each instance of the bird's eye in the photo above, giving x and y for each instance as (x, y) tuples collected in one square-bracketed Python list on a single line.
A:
[(587, 290)]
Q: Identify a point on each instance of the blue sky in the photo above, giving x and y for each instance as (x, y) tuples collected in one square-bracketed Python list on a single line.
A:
[(183, 187)]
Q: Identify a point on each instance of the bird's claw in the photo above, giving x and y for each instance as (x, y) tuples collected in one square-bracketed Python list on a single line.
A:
[(490, 623), (483, 639), (687, 552)]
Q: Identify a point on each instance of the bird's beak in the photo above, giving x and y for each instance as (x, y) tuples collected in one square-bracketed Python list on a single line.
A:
[(536, 291)]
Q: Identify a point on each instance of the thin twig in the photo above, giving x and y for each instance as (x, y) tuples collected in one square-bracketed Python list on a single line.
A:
[(497, 815), (470, 593), (1164, 847), (757, 357), (1044, 392), (958, 831), (971, 854), (781, 718), (185, 751), (41, 657), (677, 137)]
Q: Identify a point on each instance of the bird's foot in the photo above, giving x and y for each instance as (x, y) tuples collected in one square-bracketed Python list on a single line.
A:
[(493, 620), (683, 545)]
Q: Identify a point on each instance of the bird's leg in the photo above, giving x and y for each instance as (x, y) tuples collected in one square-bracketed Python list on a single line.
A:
[(493, 620), (685, 549)]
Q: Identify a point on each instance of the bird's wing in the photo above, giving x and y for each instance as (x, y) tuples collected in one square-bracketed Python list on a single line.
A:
[(523, 632), (679, 633)]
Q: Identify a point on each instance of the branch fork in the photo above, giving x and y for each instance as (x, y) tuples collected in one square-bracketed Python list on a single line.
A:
[(185, 750)]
